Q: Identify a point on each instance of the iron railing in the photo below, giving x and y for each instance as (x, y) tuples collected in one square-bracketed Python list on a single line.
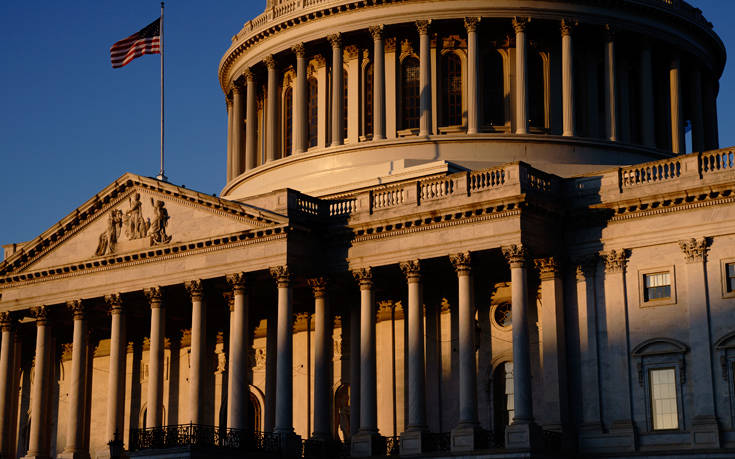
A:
[(203, 436), (318, 449)]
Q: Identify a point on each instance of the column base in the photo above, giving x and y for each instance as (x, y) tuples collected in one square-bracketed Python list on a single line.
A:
[(366, 443), (290, 444), (412, 442), (705, 432), (523, 435), (468, 437), (74, 455)]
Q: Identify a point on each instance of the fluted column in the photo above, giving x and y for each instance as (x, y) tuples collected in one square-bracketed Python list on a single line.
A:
[(424, 78), (473, 69), (378, 83), (38, 436), (198, 348), (678, 144), (8, 326), (647, 113), (322, 357), (251, 127), (116, 383), (411, 439), (237, 382), (567, 77), (337, 90), (78, 383), (611, 89), (271, 115), (154, 413), (230, 159), (237, 129), (300, 127), (519, 25)]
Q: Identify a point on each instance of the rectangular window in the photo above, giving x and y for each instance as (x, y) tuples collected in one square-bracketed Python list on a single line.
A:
[(664, 409), (730, 273), (657, 286)]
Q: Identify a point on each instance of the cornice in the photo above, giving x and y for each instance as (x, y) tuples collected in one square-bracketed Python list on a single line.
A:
[(675, 201)]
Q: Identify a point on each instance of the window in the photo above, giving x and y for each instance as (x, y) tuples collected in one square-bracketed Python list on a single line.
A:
[(313, 112), (664, 409), (657, 286), (728, 277), (730, 273), (368, 131), (502, 315), (494, 89), (452, 90), (288, 122), (536, 91), (345, 99), (410, 96)]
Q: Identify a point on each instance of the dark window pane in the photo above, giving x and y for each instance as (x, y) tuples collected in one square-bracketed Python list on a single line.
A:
[(369, 100), (288, 124), (494, 91), (452, 93), (410, 87), (313, 112)]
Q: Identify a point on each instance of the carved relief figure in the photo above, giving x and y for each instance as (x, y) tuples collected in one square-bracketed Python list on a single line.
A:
[(157, 230), (136, 226), (108, 239)]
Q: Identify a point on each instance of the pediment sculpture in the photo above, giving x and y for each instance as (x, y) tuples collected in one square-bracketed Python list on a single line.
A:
[(133, 225)]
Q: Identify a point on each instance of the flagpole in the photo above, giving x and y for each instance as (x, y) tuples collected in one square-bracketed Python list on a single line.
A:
[(162, 175)]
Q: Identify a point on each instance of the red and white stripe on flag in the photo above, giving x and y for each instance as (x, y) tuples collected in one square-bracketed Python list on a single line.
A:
[(145, 41)]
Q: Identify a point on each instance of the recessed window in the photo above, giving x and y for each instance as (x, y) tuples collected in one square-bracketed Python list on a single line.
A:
[(288, 122), (657, 286), (452, 91), (730, 277), (410, 79), (369, 81), (313, 112), (503, 315), (664, 409)]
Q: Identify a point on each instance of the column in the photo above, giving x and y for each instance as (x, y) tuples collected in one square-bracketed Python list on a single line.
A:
[(38, 436), (230, 159), (78, 383), (154, 413), (355, 388), (7, 392), (198, 348), (678, 144), (615, 385), (378, 83), (466, 436), (284, 365), (567, 77), (237, 383), (237, 129), (696, 103), (354, 75), (705, 430), (271, 114), (322, 358), (300, 127), (425, 78), (522, 433), (647, 115), (412, 438), (337, 90), (473, 70), (364, 442), (520, 24), (116, 380), (611, 112), (391, 87), (251, 127)]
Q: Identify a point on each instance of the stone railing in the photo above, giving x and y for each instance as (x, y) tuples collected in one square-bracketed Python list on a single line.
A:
[(668, 169)]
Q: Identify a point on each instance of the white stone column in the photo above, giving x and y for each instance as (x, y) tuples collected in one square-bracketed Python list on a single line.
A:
[(354, 77), (154, 413), (284, 364), (567, 77), (198, 349), (7, 392), (78, 383), (116, 380), (378, 83), (473, 72), (425, 78), (647, 114), (230, 159), (705, 429), (696, 102), (611, 90), (522, 432), (678, 144), (337, 90), (251, 127), (465, 435), (271, 114), (299, 118), (38, 435), (519, 25), (412, 438), (322, 358), (237, 383), (237, 129)]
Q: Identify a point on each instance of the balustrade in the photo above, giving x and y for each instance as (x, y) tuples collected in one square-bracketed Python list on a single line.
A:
[(651, 172)]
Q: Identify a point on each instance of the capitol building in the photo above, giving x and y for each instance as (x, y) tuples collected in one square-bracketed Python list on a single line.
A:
[(457, 228)]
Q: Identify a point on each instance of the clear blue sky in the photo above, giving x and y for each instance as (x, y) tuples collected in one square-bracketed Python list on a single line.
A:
[(70, 124)]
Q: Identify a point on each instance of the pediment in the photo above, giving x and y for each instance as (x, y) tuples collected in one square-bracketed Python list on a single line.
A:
[(660, 346), (135, 214)]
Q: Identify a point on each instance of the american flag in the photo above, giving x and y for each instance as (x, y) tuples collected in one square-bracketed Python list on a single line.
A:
[(145, 41)]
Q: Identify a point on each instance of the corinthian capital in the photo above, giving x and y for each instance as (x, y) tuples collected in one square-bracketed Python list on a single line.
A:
[(335, 40), (195, 289), (282, 275), (412, 270), (423, 26), (236, 282), (364, 276), (299, 50), (7, 321), (78, 309), (615, 261), (376, 31), (520, 24), (154, 295), (318, 286), (548, 268), (695, 251), (462, 262), (567, 26), (516, 255), (270, 62), (470, 23), (40, 313), (114, 303)]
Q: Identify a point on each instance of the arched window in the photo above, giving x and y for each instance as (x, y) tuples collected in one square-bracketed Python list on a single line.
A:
[(493, 89), (369, 100), (345, 99), (313, 112), (410, 102), (288, 122), (451, 90), (503, 403), (536, 91)]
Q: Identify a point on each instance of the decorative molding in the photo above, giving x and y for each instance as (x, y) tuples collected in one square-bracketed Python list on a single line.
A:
[(376, 32), (195, 289), (319, 61), (78, 309), (351, 52), (391, 44), (516, 255), (615, 261), (249, 75), (423, 26), (520, 24), (229, 298), (40, 313), (270, 62), (462, 262), (154, 295), (318, 286), (471, 23), (695, 250), (567, 26), (114, 303), (237, 283), (335, 40), (282, 275), (364, 276), (299, 50), (412, 270), (549, 268), (8, 321)]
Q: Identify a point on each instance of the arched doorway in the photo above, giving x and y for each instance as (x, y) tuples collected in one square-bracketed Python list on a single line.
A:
[(254, 412), (342, 413)]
